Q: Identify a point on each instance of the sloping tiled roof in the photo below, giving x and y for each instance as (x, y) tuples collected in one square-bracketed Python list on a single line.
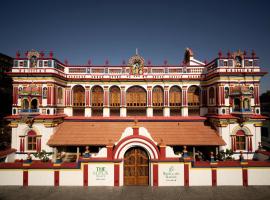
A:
[(102, 133)]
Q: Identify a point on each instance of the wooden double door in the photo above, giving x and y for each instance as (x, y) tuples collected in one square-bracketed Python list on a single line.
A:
[(136, 167)]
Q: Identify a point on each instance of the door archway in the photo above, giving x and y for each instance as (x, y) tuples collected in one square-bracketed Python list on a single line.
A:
[(136, 167)]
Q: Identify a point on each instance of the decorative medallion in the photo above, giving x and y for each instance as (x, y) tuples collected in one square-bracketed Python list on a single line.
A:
[(33, 56), (136, 64)]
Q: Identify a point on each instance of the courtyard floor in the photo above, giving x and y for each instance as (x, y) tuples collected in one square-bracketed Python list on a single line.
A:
[(132, 193)]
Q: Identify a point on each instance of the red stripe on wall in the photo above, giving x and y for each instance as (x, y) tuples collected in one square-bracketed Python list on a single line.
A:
[(155, 174), (166, 98), (25, 178), (85, 175), (56, 178), (245, 176), (214, 176), (186, 174), (23, 144), (49, 96), (15, 95), (116, 174)]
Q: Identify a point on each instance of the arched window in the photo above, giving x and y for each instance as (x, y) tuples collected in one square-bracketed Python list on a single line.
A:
[(31, 141), (59, 95), (175, 96), (44, 93), (158, 96), (136, 96), (78, 96), (194, 96), (227, 92), (25, 104), (211, 96), (34, 104), (97, 96), (236, 104), (246, 104), (115, 96), (240, 140)]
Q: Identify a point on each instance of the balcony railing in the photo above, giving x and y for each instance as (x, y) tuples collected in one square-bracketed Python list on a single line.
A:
[(29, 111)]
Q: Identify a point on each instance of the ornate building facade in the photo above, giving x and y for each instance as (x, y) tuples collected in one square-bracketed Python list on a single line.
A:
[(136, 110)]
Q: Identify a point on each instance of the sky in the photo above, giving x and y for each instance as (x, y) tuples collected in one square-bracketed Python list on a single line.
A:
[(161, 30)]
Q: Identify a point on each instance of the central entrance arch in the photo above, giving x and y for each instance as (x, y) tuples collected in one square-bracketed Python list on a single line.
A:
[(136, 167)]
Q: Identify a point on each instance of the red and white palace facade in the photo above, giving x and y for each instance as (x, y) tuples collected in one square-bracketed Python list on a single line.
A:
[(136, 123)]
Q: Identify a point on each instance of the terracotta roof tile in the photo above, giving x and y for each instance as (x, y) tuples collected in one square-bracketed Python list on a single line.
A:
[(102, 133)]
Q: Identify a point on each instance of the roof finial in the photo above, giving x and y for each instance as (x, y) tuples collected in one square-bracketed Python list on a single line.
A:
[(137, 51)]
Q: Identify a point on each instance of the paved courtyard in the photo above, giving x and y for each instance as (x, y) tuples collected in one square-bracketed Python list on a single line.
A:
[(138, 193)]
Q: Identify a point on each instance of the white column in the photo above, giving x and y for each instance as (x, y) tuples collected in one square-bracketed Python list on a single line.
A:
[(68, 111), (106, 112), (88, 112), (184, 111), (149, 112), (123, 112), (166, 112)]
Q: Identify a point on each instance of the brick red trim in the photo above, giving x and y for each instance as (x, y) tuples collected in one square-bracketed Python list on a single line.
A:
[(245, 176), (25, 178), (136, 137), (56, 178), (155, 174), (135, 130), (15, 95), (162, 150), (49, 96), (166, 97), (116, 174), (85, 175), (106, 96), (123, 96), (186, 174), (214, 176)]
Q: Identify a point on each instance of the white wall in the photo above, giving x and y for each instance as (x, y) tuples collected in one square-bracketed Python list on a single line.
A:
[(70, 177), (170, 174), (200, 177), (259, 176), (11, 177), (229, 176), (100, 174), (41, 177)]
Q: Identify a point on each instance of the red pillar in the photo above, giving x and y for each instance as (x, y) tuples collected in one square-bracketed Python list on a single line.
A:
[(87, 96), (149, 96), (162, 151), (106, 96), (109, 151), (155, 174), (186, 174), (85, 175), (214, 176), (15, 95), (256, 95), (184, 96), (21, 144), (116, 174), (56, 178), (245, 176), (25, 178), (123, 97), (166, 96)]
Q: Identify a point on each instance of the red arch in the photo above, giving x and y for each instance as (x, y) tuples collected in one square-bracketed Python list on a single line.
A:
[(136, 137)]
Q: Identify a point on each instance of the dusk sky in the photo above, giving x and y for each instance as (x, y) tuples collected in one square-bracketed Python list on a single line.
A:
[(100, 30)]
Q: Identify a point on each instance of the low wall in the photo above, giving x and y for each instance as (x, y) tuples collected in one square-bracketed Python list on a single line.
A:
[(165, 173)]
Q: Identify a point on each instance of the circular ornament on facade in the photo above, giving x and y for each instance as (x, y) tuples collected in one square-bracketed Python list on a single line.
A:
[(136, 63)]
